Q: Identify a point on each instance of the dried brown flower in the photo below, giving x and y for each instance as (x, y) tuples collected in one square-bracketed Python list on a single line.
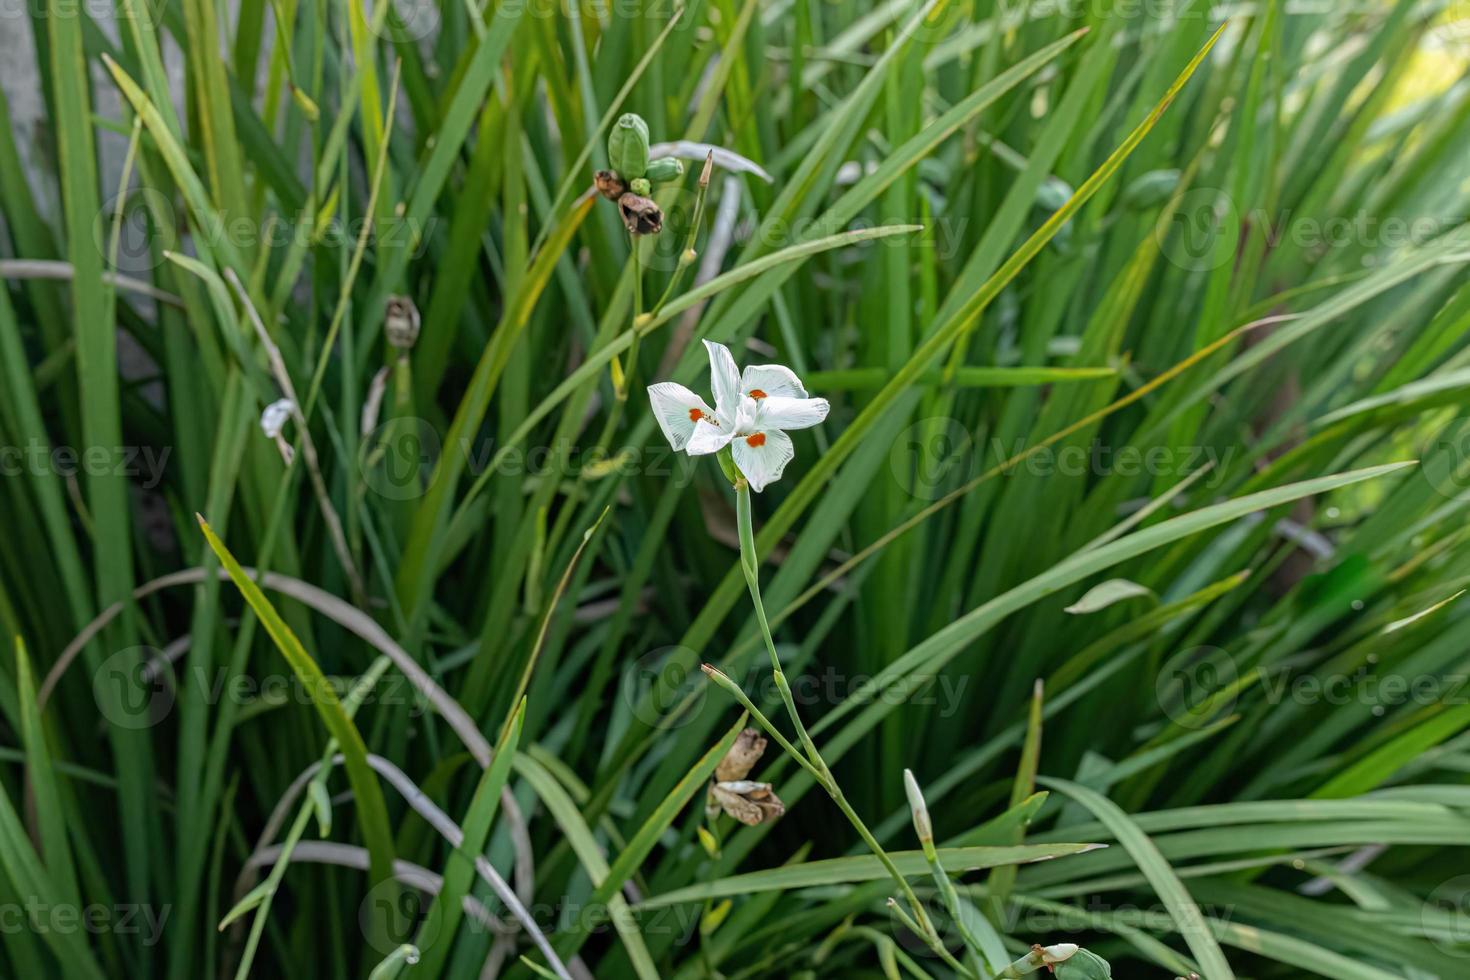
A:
[(749, 802), (749, 746), (609, 184), (640, 215), (401, 322)]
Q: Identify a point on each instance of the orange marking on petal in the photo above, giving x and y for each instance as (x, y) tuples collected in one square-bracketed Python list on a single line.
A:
[(756, 440), (695, 415), (757, 393)]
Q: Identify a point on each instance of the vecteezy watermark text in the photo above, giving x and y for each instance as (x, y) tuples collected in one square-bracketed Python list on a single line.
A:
[(42, 918), (144, 463)]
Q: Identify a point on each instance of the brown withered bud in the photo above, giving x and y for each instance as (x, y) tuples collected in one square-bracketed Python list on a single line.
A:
[(640, 215), (609, 184), (749, 802), (749, 745), (401, 322)]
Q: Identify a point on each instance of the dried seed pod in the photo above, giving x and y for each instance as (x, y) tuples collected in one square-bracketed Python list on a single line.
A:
[(749, 746), (609, 184), (401, 322), (640, 215), (665, 168), (749, 802), (627, 146), (757, 804)]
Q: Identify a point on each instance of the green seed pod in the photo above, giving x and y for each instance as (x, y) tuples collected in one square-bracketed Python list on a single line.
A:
[(1083, 965), (640, 186), (627, 146), (665, 168)]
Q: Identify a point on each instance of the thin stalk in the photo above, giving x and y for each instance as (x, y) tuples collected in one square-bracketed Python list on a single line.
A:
[(919, 922), (1026, 965), (627, 375), (308, 448), (350, 704), (687, 255), (621, 376)]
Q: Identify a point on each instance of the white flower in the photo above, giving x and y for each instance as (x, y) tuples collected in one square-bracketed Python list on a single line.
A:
[(273, 419), (753, 412)]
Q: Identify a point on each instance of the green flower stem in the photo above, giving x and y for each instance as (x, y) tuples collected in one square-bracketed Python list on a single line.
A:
[(687, 255), (632, 361), (624, 379), (1027, 964), (951, 899), (924, 829), (816, 765), (723, 680), (623, 368), (402, 385)]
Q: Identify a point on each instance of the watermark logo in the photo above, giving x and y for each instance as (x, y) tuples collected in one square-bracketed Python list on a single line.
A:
[(143, 211), (665, 688), (41, 918), (1189, 236), (1447, 460), (1196, 686), (392, 914), (950, 936), (134, 688), (677, 201), (397, 458), (145, 464), (1445, 916), (412, 20), (931, 456)]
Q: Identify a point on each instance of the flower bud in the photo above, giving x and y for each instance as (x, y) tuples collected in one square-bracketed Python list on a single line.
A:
[(273, 419), (1058, 953), (627, 146), (401, 322), (640, 186), (922, 826), (665, 168), (640, 215), (749, 746)]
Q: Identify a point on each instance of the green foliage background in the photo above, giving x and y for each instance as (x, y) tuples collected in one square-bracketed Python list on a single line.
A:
[(1173, 314)]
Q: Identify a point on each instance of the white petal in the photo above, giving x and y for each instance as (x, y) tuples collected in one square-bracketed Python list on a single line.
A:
[(724, 379), (273, 419), (792, 413), (674, 406), (746, 415), (708, 438), (775, 380), (763, 462)]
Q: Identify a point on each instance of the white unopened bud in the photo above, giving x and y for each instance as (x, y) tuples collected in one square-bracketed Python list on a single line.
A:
[(273, 419), (922, 826), (1059, 953)]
